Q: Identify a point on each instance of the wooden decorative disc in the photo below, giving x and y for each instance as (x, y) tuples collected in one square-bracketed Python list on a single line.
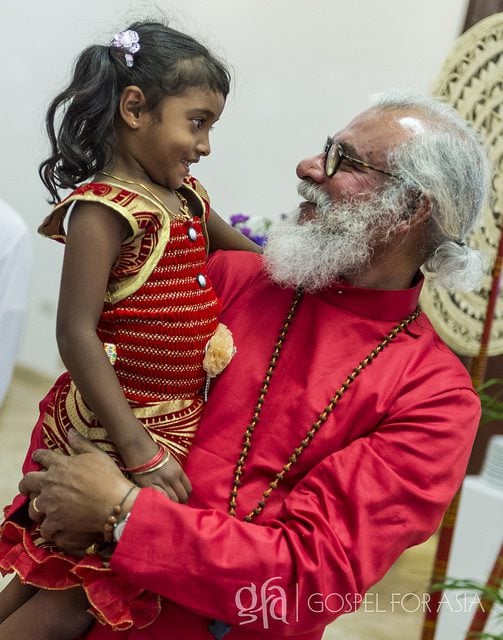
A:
[(471, 80)]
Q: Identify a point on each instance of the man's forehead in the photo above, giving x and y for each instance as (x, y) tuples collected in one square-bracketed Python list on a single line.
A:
[(412, 123), (383, 125)]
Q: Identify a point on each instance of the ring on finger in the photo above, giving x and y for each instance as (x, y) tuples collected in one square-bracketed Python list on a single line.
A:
[(34, 505)]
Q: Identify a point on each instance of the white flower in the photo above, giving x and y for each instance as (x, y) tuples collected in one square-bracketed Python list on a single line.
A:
[(129, 41), (219, 351)]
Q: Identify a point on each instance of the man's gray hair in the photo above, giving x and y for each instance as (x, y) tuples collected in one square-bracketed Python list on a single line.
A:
[(447, 162)]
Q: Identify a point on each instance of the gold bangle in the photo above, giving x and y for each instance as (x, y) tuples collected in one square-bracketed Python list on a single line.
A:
[(154, 461), (164, 461)]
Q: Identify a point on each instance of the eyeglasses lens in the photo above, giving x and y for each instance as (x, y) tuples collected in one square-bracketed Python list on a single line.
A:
[(333, 158)]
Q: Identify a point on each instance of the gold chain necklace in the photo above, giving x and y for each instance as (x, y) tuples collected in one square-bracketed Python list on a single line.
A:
[(322, 417), (183, 214)]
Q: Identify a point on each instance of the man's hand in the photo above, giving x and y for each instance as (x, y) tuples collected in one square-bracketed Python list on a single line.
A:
[(76, 493)]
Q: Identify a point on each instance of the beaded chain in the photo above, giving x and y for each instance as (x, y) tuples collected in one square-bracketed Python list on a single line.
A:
[(113, 519), (292, 460)]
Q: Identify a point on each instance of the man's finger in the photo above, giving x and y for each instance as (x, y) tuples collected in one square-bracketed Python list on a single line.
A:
[(44, 457), (80, 444), (31, 483), (47, 531)]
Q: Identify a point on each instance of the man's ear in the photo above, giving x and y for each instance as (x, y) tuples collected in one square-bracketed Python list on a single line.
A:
[(417, 207), (132, 106)]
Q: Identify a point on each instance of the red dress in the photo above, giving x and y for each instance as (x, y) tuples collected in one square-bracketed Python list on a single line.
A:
[(159, 313)]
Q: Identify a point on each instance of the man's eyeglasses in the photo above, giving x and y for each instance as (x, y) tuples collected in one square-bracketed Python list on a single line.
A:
[(334, 156)]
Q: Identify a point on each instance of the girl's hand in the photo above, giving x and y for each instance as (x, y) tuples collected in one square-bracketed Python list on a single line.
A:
[(169, 479), (76, 543)]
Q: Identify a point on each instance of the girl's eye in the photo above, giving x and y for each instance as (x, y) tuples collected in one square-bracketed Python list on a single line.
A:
[(199, 122)]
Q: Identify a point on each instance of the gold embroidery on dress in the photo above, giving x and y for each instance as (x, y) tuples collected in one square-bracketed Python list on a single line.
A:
[(172, 423)]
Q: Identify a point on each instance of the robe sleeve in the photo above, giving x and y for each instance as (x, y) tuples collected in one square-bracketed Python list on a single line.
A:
[(338, 531)]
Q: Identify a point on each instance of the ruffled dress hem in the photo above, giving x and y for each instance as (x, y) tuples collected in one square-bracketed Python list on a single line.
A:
[(113, 601)]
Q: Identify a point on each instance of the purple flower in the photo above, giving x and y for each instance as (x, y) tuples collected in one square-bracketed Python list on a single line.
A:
[(238, 218), (253, 227), (260, 240)]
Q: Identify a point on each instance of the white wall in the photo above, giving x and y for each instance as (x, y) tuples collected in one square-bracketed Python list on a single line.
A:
[(301, 70)]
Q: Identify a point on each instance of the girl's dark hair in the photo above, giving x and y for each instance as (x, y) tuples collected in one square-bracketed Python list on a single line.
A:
[(168, 64)]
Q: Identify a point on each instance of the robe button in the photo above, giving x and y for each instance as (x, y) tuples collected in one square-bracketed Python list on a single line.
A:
[(192, 233), (201, 280)]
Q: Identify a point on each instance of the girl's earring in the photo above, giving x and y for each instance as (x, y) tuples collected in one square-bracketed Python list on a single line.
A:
[(133, 124)]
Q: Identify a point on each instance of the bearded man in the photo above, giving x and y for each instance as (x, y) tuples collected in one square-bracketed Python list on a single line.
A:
[(340, 432)]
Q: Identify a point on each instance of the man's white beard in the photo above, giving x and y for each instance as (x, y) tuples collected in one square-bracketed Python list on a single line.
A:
[(336, 244)]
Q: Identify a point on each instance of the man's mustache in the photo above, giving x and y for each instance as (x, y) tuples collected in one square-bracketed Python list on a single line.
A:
[(312, 193)]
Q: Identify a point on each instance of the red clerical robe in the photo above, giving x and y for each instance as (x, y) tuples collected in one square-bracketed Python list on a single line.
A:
[(374, 480)]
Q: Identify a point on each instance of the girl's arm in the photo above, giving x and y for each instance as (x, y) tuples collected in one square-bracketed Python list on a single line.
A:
[(223, 236), (93, 242)]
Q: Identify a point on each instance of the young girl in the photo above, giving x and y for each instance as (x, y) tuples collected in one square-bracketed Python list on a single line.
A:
[(137, 313)]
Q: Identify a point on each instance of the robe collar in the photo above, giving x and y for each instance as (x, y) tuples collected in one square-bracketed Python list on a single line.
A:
[(379, 304)]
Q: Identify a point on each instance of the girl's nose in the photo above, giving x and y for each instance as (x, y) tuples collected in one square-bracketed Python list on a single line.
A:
[(203, 147), (313, 168)]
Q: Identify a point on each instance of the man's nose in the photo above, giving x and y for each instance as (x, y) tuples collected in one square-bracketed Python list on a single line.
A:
[(312, 168)]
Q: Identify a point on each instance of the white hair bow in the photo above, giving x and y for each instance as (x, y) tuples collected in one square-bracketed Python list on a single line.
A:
[(129, 41)]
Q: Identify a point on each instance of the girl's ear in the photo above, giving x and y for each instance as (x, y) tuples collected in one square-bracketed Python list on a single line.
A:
[(132, 105)]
